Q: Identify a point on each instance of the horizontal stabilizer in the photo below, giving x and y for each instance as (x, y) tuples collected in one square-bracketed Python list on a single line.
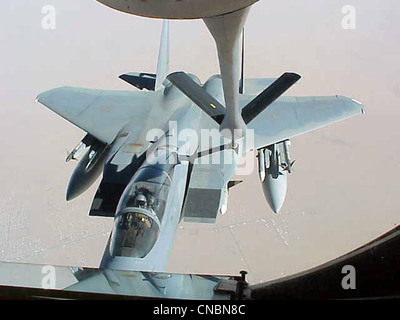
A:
[(268, 96), (140, 80), (198, 95)]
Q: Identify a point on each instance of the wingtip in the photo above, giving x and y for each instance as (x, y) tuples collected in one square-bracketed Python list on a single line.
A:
[(360, 104), (294, 75)]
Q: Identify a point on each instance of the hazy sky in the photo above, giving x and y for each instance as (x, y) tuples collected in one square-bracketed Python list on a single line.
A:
[(343, 192)]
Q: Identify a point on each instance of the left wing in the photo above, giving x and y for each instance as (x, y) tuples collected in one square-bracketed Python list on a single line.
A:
[(291, 116), (101, 113)]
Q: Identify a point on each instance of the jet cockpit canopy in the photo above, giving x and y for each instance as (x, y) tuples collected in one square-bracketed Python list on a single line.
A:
[(140, 212)]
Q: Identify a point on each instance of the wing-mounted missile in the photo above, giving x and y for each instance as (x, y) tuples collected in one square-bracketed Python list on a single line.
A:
[(273, 175), (88, 168), (76, 152), (261, 164), (80, 147), (287, 163)]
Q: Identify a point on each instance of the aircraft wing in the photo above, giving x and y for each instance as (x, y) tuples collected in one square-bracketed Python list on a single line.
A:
[(101, 113), (291, 116)]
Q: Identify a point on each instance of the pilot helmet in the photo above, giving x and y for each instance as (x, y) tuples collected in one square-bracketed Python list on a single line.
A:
[(141, 200)]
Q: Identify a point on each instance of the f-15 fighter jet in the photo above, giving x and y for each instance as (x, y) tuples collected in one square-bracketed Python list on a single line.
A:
[(168, 151)]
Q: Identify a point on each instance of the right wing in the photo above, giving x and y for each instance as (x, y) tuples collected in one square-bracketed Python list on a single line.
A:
[(292, 116), (101, 113)]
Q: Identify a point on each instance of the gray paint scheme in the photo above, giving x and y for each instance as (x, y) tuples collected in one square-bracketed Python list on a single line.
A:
[(123, 119), (133, 284), (172, 9)]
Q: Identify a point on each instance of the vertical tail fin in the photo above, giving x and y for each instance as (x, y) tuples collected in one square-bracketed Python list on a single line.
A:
[(241, 83), (163, 55)]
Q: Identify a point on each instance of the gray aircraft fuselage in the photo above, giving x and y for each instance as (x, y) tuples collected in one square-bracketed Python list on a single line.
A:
[(183, 116)]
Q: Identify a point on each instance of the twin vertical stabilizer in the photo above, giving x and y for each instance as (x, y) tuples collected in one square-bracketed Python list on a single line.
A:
[(163, 56)]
